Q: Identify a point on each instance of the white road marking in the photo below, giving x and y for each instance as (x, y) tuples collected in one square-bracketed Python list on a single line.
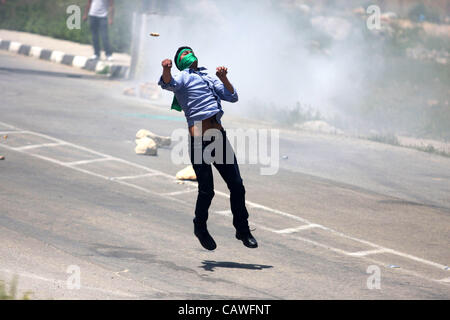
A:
[(292, 230), (249, 203), (178, 192), (34, 146), (445, 280), (224, 212), (366, 253), (135, 177), (76, 163)]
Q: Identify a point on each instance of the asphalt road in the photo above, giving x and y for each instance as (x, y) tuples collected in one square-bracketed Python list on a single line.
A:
[(75, 196)]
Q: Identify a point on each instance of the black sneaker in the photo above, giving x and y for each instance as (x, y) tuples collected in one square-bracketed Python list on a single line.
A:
[(247, 239), (205, 239)]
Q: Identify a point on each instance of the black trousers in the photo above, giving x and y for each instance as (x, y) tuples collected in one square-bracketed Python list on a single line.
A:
[(230, 174), (99, 29)]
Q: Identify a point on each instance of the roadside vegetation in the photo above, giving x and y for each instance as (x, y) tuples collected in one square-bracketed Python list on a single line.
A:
[(9, 292), (48, 18)]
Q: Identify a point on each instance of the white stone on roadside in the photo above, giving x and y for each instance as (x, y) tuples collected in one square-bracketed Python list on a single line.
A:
[(161, 141), (187, 173), (146, 146), (318, 126)]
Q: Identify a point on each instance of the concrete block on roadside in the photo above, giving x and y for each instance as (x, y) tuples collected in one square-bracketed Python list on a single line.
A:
[(14, 46), (146, 146), (4, 45), (91, 64), (101, 65), (161, 141), (57, 56), (45, 54), (67, 59), (79, 61), (187, 173), (35, 52), (25, 50)]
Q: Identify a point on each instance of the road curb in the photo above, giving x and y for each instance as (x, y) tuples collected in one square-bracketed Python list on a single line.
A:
[(81, 62)]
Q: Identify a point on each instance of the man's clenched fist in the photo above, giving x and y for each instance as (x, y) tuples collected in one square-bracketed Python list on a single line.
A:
[(221, 72), (167, 63)]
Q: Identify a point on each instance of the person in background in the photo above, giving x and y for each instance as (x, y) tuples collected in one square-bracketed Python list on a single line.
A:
[(101, 14)]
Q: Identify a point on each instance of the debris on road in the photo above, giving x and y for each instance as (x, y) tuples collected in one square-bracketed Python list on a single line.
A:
[(2, 157), (154, 34), (146, 146), (5, 137), (187, 173), (392, 266), (284, 157), (161, 141)]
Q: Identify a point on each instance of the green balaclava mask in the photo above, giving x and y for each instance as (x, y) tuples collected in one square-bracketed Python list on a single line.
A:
[(185, 63)]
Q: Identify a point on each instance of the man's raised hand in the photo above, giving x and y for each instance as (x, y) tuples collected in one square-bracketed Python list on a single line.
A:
[(221, 72), (166, 63)]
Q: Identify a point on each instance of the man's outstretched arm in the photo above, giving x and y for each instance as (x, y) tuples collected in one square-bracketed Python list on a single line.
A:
[(224, 88), (221, 73), (167, 65)]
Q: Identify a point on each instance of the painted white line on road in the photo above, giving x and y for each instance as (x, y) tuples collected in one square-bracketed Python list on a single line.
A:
[(175, 193), (34, 146), (368, 252), (227, 213), (135, 177), (292, 230), (249, 203), (76, 163), (445, 280)]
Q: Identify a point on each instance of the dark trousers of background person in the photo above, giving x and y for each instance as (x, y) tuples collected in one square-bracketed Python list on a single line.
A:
[(99, 29), (230, 174)]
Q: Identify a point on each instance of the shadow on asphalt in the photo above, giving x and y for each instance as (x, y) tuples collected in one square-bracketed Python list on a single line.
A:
[(209, 265), (53, 74)]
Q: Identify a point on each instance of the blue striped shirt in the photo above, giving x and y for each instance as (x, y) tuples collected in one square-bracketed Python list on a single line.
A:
[(199, 94)]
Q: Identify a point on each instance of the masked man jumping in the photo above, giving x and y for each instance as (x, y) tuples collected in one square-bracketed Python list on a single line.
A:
[(199, 95)]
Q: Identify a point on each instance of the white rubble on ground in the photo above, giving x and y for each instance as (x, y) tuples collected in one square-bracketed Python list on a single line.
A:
[(187, 173), (318, 126), (161, 141), (146, 146)]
